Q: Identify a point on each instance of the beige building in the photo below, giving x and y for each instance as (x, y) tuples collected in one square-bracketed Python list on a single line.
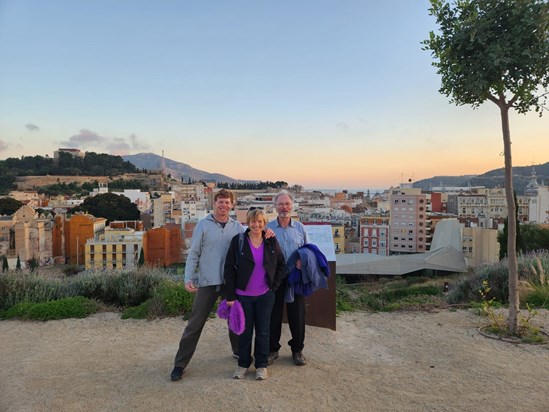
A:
[(410, 228), (32, 235), (486, 205), (480, 245), (162, 209), (115, 249)]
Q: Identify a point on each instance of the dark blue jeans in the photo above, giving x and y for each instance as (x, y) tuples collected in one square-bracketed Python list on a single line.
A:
[(257, 312)]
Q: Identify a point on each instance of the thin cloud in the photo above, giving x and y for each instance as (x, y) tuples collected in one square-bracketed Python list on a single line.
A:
[(88, 140), (136, 145), (342, 125), (32, 127), (84, 140), (3, 145)]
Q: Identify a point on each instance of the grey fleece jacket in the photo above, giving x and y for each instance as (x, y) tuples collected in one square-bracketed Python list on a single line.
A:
[(209, 246)]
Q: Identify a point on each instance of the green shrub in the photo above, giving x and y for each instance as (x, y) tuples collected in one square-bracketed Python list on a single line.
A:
[(414, 302), (112, 288), (137, 312), (497, 276), (74, 307), (345, 301), (16, 287), (539, 297), (402, 298), (169, 299)]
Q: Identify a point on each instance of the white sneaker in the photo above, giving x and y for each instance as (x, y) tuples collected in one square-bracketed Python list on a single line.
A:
[(261, 374), (240, 372)]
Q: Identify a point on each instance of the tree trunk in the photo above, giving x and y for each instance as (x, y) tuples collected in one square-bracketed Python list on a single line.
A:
[(512, 321)]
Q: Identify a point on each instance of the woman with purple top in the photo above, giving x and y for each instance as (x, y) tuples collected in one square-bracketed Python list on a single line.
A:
[(254, 268)]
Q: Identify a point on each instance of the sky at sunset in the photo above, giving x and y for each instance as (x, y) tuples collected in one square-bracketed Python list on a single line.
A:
[(326, 94)]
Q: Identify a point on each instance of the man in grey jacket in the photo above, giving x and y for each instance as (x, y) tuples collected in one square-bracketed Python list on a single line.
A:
[(204, 274)]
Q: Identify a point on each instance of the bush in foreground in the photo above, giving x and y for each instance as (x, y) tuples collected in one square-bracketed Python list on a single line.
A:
[(74, 307), (532, 267), (169, 299)]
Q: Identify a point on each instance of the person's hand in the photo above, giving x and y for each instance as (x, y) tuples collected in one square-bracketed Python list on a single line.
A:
[(230, 303), (269, 233), (298, 264), (190, 287)]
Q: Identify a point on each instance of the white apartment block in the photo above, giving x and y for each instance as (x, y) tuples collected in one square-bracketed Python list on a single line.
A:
[(162, 209), (538, 195)]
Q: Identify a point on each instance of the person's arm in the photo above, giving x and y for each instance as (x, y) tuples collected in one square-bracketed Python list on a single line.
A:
[(230, 271), (280, 272), (193, 259), (269, 233), (305, 240)]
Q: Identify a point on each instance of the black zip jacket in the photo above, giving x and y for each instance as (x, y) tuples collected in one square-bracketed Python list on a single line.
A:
[(237, 274)]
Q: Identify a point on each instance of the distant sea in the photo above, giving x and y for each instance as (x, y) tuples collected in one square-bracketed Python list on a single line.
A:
[(349, 190)]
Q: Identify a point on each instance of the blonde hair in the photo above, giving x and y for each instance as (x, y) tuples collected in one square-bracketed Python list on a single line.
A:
[(255, 214)]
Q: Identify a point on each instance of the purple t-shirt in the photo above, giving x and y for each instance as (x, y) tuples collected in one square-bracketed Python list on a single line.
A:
[(257, 285)]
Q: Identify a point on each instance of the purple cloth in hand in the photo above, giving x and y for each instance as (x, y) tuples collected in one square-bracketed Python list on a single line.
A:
[(234, 315)]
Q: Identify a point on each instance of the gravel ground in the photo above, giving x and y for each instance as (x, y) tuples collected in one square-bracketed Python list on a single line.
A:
[(413, 361)]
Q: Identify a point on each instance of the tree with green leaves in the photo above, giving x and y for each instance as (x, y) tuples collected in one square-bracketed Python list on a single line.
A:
[(110, 206), (33, 264), (497, 51), (9, 205), (141, 260)]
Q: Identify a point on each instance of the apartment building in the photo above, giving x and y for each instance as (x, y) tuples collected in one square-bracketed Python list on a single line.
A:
[(162, 209), (374, 234), (33, 236), (77, 230), (480, 245), (410, 227), (7, 236), (188, 192), (28, 197), (489, 206), (164, 245), (538, 200), (116, 248)]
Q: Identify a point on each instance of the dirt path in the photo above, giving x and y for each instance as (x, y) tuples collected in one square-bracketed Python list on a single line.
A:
[(373, 362)]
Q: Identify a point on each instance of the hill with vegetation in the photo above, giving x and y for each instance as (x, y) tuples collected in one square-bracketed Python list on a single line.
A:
[(178, 170), (490, 179), (92, 164)]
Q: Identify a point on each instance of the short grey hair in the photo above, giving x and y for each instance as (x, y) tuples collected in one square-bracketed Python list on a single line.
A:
[(283, 193)]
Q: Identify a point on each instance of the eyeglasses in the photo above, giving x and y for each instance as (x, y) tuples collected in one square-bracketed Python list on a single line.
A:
[(284, 204)]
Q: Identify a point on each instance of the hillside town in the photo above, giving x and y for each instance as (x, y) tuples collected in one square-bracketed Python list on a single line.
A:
[(398, 221)]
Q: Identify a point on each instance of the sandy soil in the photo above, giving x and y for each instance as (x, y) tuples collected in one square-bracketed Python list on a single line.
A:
[(373, 362)]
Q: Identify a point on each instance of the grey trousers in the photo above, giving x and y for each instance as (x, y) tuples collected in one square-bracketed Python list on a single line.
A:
[(204, 301)]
